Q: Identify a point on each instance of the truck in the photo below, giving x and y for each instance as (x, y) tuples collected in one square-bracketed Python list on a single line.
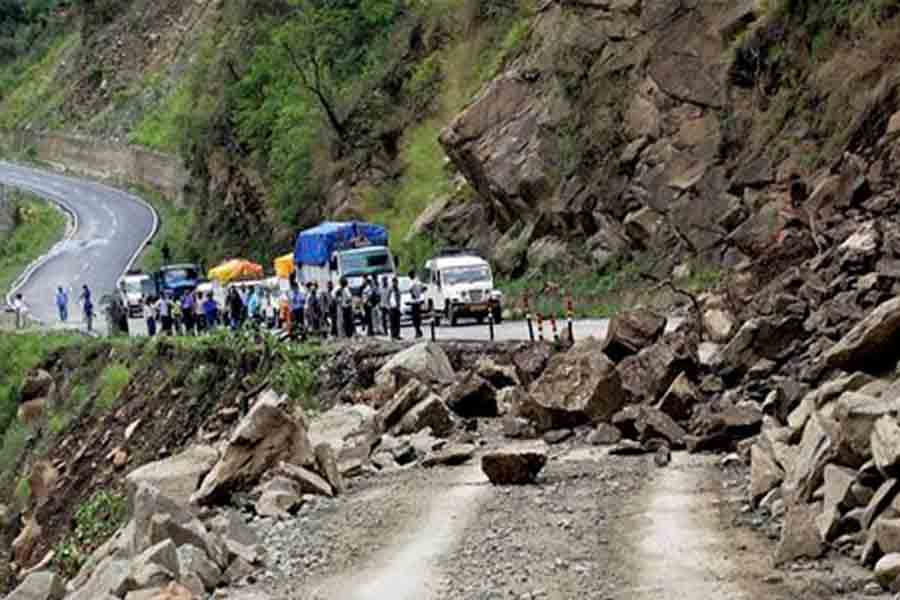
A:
[(459, 283), (177, 280), (334, 250), (134, 288)]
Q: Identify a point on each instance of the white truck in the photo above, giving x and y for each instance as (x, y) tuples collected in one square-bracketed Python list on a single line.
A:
[(460, 284), (134, 288)]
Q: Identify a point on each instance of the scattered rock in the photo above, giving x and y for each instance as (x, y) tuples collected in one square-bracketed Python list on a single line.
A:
[(429, 413), (518, 427), (662, 456), (800, 536), (887, 570), (309, 482), (42, 585), (427, 360), (868, 344), (556, 436), (765, 474), (886, 446), (328, 467), (472, 396), (403, 401), (176, 477), (627, 448), (604, 434), (679, 399), (513, 466), (194, 560), (631, 331), (499, 376), (452, 455)]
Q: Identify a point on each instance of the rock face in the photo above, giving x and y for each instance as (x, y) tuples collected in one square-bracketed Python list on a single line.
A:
[(427, 360), (580, 386), (513, 466), (266, 436), (871, 341), (631, 331)]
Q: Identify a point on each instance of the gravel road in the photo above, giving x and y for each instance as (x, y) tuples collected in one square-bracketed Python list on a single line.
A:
[(108, 229)]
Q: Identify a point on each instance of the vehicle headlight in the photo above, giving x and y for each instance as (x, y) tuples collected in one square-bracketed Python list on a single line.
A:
[(496, 294)]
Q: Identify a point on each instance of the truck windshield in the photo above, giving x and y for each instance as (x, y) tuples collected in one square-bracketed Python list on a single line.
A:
[(174, 277), (366, 263), (459, 275)]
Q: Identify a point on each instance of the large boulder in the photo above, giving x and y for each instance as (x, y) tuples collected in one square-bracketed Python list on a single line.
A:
[(513, 466), (871, 342), (266, 436), (427, 360), (720, 426), (857, 413), (42, 585), (37, 384), (765, 473), (886, 446), (679, 400), (817, 448), (579, 386), (350, 429), (800, 537), (403, 401), (429, 413), (631, 331), (472, 396), (650, 372), (761, 337), (176, 477)]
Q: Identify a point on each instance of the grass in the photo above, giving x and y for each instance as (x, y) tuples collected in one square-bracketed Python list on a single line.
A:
[(113, 380), (163, 128), (42, 225), (95, 521)]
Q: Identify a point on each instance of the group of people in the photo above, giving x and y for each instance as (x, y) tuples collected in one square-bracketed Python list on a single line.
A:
[(195, 312)]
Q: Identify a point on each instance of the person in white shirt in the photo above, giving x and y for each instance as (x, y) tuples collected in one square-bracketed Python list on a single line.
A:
[(21, 310)]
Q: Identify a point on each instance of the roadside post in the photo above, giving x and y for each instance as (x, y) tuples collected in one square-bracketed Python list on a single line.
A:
[(540, 320), (570, 312), (433, 334), (491, 324), (528, 319), (554, 331)]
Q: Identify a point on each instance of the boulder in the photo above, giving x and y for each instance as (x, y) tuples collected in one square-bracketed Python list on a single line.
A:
[(765, 474), (604, 434), (26, 542), (350, 429), (838, 484), (720, 426), (402, 402), (631, 331), (309, 482), (879, 502), (430, 412), (176, 477), (194, 560), (856, 414), (427, 360), (513, 466), (37, 384), (799, 536), (679, 399), (816, 449), (650, 372), (326, 462), (147, 576), (279, 497), (532, 360), (886, 445), (509, 399), (263, 438), (517, 427), (451, 455), (887, 570), (887, 534), (472, 396), (579, 386), (761, 337), (719, 325), (871, 342), (163, 554), (110, 578), (557, 436), (653, 423), (42, 585), (146, 502), (499, 376)]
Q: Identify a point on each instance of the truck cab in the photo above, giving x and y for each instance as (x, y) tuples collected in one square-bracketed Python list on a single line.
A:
[(134, 289), (461, 285), (177, 280), (355, 264)]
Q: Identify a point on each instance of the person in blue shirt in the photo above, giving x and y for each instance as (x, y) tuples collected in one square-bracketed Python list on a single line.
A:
[(253, 306), (298, 306), (210, 312), (187, 312), (62, 304)]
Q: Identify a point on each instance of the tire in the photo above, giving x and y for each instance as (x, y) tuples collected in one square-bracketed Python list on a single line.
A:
[(451, 316), (480, 319)]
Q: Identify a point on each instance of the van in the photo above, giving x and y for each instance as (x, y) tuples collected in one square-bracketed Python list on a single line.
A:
[(461, 286)]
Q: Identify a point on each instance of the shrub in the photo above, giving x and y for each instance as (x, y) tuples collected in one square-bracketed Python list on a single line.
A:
[(113, 381)]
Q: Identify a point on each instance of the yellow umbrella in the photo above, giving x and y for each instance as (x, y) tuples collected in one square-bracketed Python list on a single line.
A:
[(284, 266), (236, 270)]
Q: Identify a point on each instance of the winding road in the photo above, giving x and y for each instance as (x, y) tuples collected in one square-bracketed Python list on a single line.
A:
[(107, 230)]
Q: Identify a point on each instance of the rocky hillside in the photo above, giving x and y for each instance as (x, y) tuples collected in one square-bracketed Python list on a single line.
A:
[(547, 133)]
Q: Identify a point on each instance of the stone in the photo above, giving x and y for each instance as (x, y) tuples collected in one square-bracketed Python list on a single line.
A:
[(662, 456), (513, 466), (872, 341), (509, 399), (828, 523), (887, 534), (856, 414), (194, 560), (887, 570), (499, 376), (163, 527), (147, 502), (653, 423), (579, 386), (719, 325), (885, 446), (279, 497), (26, 542), (879, 502), (472, 396), (110, 578), (37, 384), (517, 427), (722, 425), (266, 436), (429, 413), (42, 585), (427, 360), (309, 482), (173, 591), (816, 449), (451, 455), (557, 436), (627, 448), (402, 402), (679, 399), (326, 461), (238, 570), (604, 434), (162, 554), (350, 429), (149, 575), (631, 331), (649, 373), (176, 477), (765, 474), (838, 483), (799, 536)]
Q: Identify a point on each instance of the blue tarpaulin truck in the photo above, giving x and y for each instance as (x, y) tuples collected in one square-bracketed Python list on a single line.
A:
[(351, 249)]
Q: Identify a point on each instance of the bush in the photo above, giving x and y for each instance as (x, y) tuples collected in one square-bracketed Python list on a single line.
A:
[(113, 381), (95, 521)]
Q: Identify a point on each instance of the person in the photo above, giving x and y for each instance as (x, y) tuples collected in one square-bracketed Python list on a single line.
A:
[(199, 316), (164, 314), (312, 308), (210, 312), (150, 317), (187, 312), (370, 301), (325, 304), (345, 300), (333, 309), (253, 307), (298, 306), (395, 302), (284, 312), (21, 311), (416, 291), (177, 315), (166, 253), (385, 305), (235, 309), (87, 306), (62, 304), (269, 310)]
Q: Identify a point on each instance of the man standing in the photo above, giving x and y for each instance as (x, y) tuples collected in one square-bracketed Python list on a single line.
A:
[(370, 301), (415, 290), (87, 306), (164, 310), (334, 309), (298, 306), (395, 300), (345, 299), (187, 312), (62, 304), (326, 303), (150, 317), (385, 305), (21, 311), (210, 312)]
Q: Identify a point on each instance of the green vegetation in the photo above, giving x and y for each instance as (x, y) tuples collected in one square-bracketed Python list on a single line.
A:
[(38, 226), (162, 129), (297, 375), (113, 381), (95, 521)]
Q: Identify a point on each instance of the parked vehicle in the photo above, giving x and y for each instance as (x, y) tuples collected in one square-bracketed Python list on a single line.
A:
[(134, 288), (460, 284), (176, 280)]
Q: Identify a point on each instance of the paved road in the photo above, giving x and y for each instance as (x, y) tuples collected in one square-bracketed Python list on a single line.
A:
[(108, 229), (511, 330)]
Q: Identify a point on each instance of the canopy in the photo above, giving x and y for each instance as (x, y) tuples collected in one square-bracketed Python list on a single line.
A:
[(315, 246), (284, 266), (236, 270)]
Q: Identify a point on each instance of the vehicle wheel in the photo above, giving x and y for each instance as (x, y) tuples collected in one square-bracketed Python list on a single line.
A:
[(498, 314), (451, 315), (480, 319)]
